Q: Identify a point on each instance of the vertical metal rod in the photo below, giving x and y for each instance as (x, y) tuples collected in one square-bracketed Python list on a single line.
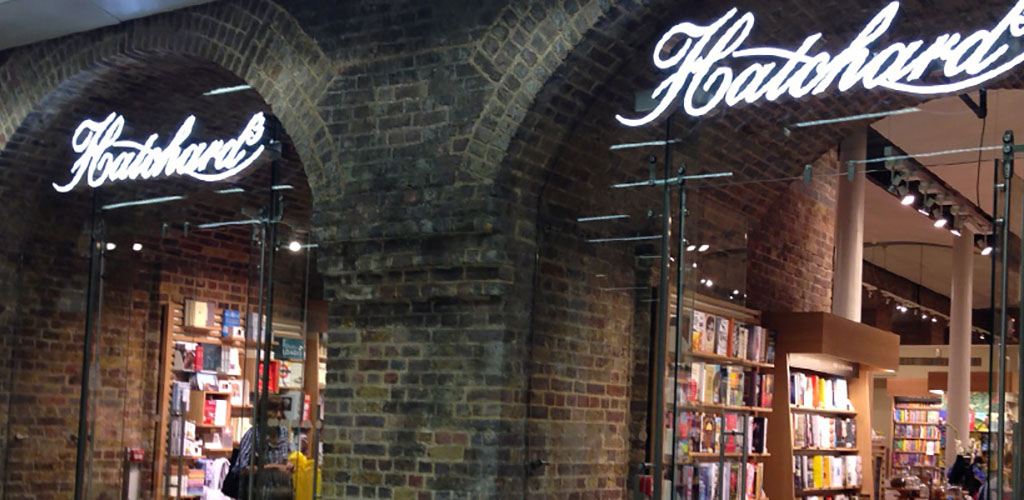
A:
[(96, 356), (1007, 180), (746, 456), (680, 267), (268, 341), (1018, 435), (254, 418), (723, 475), (659, 382), (992, 306), (83, 402)]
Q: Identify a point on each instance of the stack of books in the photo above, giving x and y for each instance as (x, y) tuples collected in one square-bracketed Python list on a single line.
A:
[(708, 482), (819, 391), (818, 431), (818, 472), (728, 337)]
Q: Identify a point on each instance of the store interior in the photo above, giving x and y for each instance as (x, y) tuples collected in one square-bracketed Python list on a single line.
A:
[(172, 275)]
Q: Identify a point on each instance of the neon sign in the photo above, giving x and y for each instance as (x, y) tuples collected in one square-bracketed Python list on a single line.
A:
[(704, 79), (105, 157)]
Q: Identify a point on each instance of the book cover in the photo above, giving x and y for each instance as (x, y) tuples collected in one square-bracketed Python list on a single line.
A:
[(742, 334), (708, 336), (709, 434), (696, 382), (205, 382), (818, 471), (291, 405), (231, 325), (719, 382), (722, 338), (767, 387), (842, 397), (709, 390), (274, 377), (211, 357), (759, 434), (730, 345), (231, 362), (289, 348), (237, 395), (255, 328), (291, 373), (184, 356), (209, 411), (769, 351), (731, 423), (697, 330), (734, 391)]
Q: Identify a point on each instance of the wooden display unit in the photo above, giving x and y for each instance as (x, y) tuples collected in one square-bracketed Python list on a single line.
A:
[(827, 346), (746, 366)]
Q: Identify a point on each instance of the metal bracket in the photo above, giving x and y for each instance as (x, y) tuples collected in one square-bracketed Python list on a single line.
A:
[(808, 170), (980, 108), (851, 170)]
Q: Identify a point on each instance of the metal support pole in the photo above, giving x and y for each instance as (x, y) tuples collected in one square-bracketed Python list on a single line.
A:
[(680, 270), (95, 248), (996, 228), (1018, 435), (1007, 179), (269, 337), (659, 382)]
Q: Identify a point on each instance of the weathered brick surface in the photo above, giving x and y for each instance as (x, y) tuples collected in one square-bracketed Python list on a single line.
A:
[(449, 148)]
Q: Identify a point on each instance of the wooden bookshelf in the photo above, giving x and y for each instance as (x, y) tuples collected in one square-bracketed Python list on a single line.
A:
[(834, 342)]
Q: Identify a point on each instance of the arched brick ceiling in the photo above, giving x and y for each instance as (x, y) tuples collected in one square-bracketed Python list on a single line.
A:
[(566, 134), (155, 93)]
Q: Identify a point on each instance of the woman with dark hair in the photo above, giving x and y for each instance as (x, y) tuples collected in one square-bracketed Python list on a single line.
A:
[(964, 475)]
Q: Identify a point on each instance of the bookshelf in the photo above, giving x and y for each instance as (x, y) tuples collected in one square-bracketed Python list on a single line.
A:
[(205, 407), (916, 445), (724, 395), (821, 419)]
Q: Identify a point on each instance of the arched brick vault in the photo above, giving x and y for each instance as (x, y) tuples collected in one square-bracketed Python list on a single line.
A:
[(556, 165), (255, 39)]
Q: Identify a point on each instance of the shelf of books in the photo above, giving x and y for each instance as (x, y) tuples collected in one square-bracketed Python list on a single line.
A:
[(917, 440), (723, 394), (209, 370), (821, 416)]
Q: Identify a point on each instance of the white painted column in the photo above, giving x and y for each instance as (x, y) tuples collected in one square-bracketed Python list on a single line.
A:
[(848, 271), (960, 311)]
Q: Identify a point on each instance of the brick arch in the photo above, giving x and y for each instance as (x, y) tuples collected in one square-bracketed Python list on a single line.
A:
[(253, 39), (553, 158)]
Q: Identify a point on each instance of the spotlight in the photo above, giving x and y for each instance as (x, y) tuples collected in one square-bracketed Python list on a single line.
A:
[(111, 246), (956, 232), (935, 320), (702, 281), (691, 248), (945, 217), (694, 265), (924, 316), (709, 284), (137, 247), (295, 246), (704, 248), (984, 242), (735, 292), (909, 193)]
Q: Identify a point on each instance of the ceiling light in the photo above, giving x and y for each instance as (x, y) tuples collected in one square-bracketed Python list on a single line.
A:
[(924, 316), (935, 320), (702, 281), (986, 251), (111, 246), (909, 193), (227, 90), (709, 284), (704, 248), (940, 222), (295, 246), (137, 247), (695, 265), (691, 248), (736, 292), (956, 232)]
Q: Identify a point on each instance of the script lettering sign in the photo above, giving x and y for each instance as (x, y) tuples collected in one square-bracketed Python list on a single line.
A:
[(105, 157), (709, 65)]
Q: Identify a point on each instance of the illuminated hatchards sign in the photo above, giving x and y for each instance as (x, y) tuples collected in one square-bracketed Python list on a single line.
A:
[(105, 158), (701, 57)]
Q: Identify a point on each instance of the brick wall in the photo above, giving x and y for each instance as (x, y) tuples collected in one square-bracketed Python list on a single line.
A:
[(439, 142), (790, 250)]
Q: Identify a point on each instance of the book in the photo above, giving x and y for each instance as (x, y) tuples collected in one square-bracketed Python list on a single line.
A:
[(289, 348), (231, 363), (184, 356), (709, 434), (291, 405), (211, 357), (237, 394), (742, 334), (707, 339), (255, 327), (200, 314), (758, 434), (274, 377), (291, 373), (205, 382), (231, 325), (697, 330), (722, 336)]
